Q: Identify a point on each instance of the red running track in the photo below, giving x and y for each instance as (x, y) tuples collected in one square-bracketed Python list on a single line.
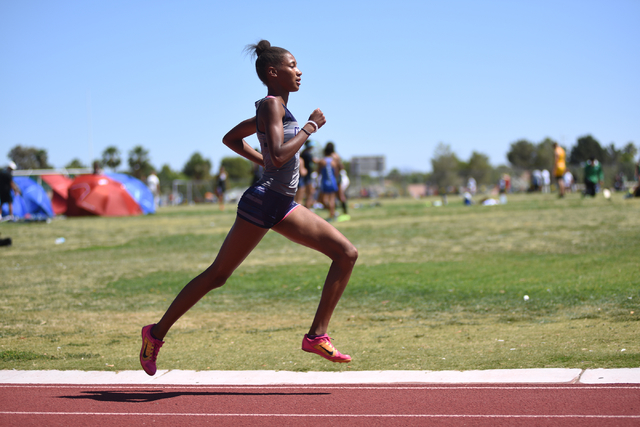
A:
[(331, 405)]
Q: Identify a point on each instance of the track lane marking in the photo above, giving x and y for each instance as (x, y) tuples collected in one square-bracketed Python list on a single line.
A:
[(177, 414)]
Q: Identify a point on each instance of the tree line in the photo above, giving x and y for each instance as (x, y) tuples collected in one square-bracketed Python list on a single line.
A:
[(447, 169), (138, 164)]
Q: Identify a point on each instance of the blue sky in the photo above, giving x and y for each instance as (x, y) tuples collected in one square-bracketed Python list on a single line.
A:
[(393, 78)]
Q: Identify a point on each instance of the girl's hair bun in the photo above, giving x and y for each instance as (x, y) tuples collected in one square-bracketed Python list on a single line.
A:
[(262, 46)]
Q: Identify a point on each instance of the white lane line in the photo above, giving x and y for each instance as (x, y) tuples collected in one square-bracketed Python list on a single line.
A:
[(169, 414)]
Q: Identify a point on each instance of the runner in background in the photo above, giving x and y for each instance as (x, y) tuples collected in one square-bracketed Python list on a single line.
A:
[(559, 167), (221, 186), (330, 166), (306, 189)]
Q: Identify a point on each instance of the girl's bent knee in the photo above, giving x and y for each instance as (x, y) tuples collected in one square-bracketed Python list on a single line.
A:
[(350, 254)]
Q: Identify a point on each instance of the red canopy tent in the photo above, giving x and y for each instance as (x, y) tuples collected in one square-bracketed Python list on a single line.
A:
[(100, 195), (60, 185)]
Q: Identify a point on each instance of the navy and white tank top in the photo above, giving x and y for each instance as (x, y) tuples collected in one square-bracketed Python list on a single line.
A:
[(283, 180)]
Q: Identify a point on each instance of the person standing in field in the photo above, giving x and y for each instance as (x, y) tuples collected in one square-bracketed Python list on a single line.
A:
[(153, 183), (343, 184), (636, 189), (269, 204), (559, 167), (305, 187), (6, 185), (221, 186), (330, 166), (472, 186), (546, 181), (593, 176), (568, 181), (97, 168)]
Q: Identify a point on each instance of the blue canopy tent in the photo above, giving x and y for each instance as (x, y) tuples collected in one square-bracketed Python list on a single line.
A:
[(137, 189), (33, 203)]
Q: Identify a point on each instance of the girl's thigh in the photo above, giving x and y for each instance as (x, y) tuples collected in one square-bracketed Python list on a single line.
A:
[(308, 229)]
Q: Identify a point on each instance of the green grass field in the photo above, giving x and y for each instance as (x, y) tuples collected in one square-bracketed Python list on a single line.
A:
[(435, 288)]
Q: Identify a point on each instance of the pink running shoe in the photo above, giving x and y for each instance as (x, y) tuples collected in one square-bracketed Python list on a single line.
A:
[(149, 350), (322, 346)]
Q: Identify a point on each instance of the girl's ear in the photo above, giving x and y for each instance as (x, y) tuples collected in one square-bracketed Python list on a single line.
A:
[(272, 72)]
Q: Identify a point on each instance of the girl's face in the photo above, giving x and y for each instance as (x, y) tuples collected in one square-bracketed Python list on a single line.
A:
[(289, 74)]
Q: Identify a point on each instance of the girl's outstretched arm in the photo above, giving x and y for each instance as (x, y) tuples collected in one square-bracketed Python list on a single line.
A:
[(234, 139)]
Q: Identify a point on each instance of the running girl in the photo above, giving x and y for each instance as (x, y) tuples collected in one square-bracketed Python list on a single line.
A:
[(330, 167), (268, 204)]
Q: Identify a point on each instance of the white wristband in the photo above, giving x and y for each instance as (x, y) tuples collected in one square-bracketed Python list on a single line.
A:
[(314, 124)]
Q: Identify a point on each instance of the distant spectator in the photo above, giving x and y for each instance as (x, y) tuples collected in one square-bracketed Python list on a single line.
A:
[(330, 167), (593, 176), (153, 182), (6, 185), (536, 180), (568, 181), (468, 198), (304, 173), (471, 186), (221, 186), (559, 167), (635, 192), (546, 181), (504, 185), (618, 183), (343, 184), (306, 188), (97, 168)]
